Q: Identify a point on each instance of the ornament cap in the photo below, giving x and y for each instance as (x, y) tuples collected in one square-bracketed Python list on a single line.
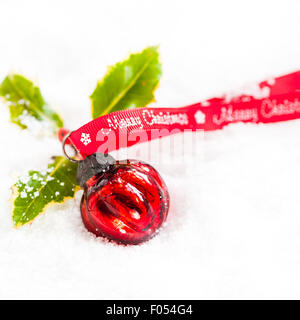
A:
[(92, 165)]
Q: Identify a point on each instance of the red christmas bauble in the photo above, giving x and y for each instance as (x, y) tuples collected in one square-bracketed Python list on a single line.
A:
[(126, 203)]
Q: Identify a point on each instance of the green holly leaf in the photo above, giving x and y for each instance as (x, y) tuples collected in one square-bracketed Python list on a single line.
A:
[(128, 84), (25, 99), (35, 191)]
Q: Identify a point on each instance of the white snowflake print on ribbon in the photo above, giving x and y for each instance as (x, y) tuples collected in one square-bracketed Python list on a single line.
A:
[(85, 138), (199, 117)]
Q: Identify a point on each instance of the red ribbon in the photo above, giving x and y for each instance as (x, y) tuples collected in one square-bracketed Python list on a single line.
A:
[(275, 100)]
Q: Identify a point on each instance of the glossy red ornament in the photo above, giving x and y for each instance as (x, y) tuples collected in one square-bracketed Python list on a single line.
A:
[(126, 203)]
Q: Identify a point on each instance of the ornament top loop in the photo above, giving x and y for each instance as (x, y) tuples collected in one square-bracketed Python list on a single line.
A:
[(64, 148), (92, 165)]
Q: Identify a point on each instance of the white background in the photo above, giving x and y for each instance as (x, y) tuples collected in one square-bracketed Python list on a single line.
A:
[(234, 225)]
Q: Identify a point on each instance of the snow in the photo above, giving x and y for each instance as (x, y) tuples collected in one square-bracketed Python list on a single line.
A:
[(23, 194), (233, 226)]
